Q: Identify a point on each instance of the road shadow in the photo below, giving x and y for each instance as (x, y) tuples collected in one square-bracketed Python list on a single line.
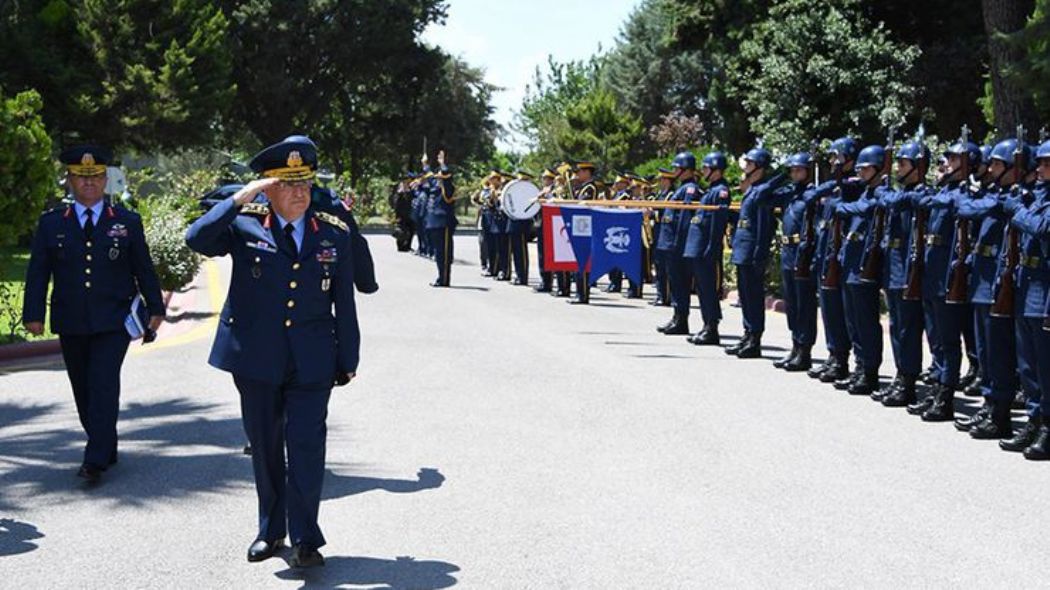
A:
[(401, 573), (53, 362), (467, 288), (17, 537), (341, 486), (189, 315)]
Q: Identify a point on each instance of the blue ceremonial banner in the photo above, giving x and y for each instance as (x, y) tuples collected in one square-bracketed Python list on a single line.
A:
[(617, 243), (578, 223)]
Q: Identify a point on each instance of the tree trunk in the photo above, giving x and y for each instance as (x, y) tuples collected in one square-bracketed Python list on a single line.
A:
[(1012, 105)]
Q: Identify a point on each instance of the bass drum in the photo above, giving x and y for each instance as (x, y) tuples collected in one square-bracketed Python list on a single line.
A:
[(518, 200)]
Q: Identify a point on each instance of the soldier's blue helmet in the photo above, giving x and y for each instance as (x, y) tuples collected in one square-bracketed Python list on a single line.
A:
[(845, 147), (760, 156), (715, 161), (1043, 151), (873, 155), (1004, 151), (684, 160), (969, 149), (800, 160), (913, 151), (986, 154)]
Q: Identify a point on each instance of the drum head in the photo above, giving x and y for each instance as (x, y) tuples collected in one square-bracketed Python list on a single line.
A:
[(518, 199)]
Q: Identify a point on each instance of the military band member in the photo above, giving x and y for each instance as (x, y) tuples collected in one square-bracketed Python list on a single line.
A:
[(547, 178), (674, 230), (704, 246), (639, 191), (665, 190), (287, 332), (499, 249), (94, 256), (585, 190), (752, 240), (403, 213), (621, 191), (563, 189), (441, 221), (518, 231)]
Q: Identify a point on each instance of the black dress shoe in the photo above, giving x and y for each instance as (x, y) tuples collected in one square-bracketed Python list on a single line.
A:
[(543, 289), (740, 344), (847, 381), (837, 372), (802, 361), (965, 424), (881, 394), (1024, 437), (780, 362), (578, 302), (305, 556), (1040, 449), (707, 337), (664, 327), (634, 294), (995, 425), (865, 385), (438, 284), (679, 326), (752, 350), (903, 395), (262, 549), (921, 405), (816, 372), (942, 409), (521, 283), (92, 473)]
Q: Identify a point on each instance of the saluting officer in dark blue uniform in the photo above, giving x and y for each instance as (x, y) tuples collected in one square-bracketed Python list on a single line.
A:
[(674, 229), (994, 335), (665, 191), (441, 221), (1031, 309), (704, 245), (94, 255), (843, 152), (860, 298), (800, 294), (898, 245), (752, 241), (287, 333)]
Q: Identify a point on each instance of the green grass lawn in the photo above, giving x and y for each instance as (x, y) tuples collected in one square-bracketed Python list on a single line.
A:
[(13, 262)]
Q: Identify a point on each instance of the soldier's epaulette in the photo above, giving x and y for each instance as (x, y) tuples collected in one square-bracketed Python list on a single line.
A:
[(332, 220), (56, 209), (255, 209)]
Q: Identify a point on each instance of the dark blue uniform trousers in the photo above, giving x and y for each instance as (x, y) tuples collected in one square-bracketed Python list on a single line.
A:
[(706, 274), (441, 239), (519, 249), (680, 280), (502, 254), (800, 297), (906, 324), (996, 354), (933, 337), (93, 364), (836, 337), (861, 303), (1033, 365), (951, 320), (752, 291), (289, 415), (663, 288)]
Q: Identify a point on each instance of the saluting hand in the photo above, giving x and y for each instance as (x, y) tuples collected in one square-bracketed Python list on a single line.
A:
[(252, 189)]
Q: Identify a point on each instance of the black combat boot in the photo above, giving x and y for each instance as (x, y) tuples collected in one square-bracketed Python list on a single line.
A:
[(679, 326), (816, 372), (753, 349), (967, 423), (1024, 437), (802, 361), (881, 394), (996, 424), (784, 360), (942, 409), (707, 337), (867, 383), (1040, 449), (847, 381), (839, 371), (662, 329), (928, 377), (904, 395), (922, 404), (972, 376), (735, 348)]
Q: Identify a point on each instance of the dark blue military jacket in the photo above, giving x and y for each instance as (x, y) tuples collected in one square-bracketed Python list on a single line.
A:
[(94, 279), (707, 229), (857, 211), (325, 199), (755, 225), (792, 200), (825, 198), (441, 206), (674, 223), (1033, 273), (280, 307), (985, 211), (940, 236), (896, 240)]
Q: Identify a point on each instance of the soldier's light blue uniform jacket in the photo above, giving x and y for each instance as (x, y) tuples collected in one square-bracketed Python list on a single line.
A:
[(280, 306), (674, 223), (792, 201), (826, 198), (755, 224), (707, 229), (985, 210), (94, 279), (857, 213), (898, 235), (440, 205), (1033, 274), (940, 237)]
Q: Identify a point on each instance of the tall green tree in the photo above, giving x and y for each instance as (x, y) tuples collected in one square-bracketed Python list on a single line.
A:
[(1012, 102), (1031, 72), (27, 170), (597, 129)]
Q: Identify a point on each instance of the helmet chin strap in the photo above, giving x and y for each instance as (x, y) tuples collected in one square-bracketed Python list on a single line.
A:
[(707, 177)]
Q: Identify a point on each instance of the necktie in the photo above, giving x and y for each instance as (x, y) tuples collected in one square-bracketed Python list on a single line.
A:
[(289, 229), (89, 224)]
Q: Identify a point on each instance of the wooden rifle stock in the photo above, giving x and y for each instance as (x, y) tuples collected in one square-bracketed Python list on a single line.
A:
[(804, 258), (959, 285), (1003, 306), (833, 275)]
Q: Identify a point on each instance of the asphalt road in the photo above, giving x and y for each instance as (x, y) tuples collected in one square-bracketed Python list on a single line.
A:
[(496, 438)]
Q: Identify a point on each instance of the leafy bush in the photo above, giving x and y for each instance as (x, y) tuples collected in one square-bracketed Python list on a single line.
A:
[(27, 172)]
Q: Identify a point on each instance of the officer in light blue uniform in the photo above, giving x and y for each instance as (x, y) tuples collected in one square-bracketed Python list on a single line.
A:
[(674, 230), (665, 191), (752, 242), (704, 245), (899, 247), (949, 318), (994, 335), (441, 221), (1031, 310), (800, 295), (288, 332), (94, 255), (860, 298), (843, 152)]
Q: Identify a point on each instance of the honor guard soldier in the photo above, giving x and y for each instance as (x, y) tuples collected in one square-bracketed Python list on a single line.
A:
[(994, 331), (419, 204), (586, 190), (665, 190), (704, 245), (1032, 279), (800, 294), (843, 153), (900, 249), (518, 238), (860, 295), (94, 256), (752, 240), (441, 221), (546, 193), (288, 332), (674, 230)]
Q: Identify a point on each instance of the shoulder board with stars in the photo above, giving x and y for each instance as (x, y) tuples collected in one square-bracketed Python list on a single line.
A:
[(332, 220), (255, 209)]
